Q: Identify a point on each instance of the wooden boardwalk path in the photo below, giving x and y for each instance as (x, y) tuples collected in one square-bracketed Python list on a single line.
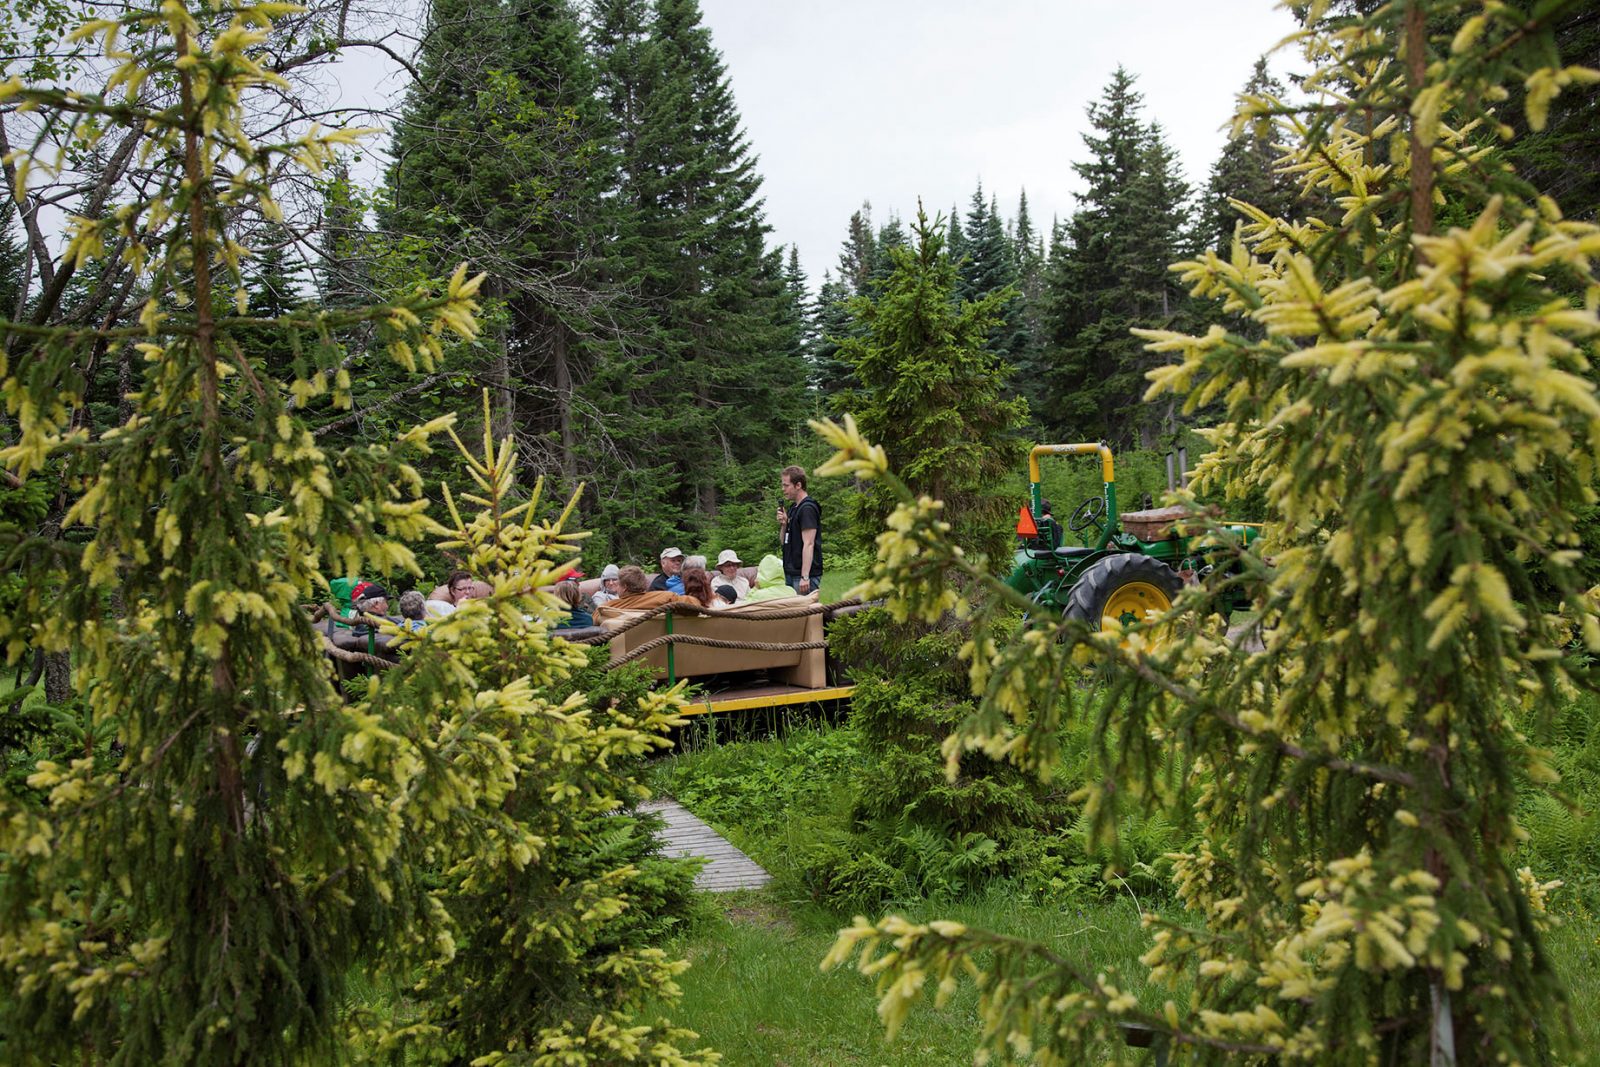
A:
[(685, 835)]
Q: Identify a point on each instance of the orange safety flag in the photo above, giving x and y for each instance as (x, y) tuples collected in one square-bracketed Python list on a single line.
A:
[(1025, 524)]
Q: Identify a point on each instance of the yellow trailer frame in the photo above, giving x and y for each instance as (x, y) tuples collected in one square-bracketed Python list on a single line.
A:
[(714, 703)]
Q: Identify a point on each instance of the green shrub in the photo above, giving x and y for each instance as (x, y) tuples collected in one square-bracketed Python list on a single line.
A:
[(754, 789), (1564, 834)]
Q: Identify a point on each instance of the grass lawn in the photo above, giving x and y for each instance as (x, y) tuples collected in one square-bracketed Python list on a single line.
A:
[(835, 583), (755, 991)]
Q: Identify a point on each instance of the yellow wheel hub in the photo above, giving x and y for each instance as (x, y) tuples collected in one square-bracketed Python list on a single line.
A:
[(1129, 603)]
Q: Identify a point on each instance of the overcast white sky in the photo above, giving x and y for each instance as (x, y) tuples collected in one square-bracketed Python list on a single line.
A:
[(886, 100)]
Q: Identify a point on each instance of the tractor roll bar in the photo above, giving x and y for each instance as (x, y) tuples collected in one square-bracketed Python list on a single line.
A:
[(1107, 470)]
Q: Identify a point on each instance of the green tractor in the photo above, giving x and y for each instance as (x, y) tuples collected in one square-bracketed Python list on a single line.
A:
[(1130, 563)]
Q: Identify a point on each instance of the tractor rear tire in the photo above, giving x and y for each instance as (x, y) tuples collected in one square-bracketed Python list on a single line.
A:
[(1124, 586)]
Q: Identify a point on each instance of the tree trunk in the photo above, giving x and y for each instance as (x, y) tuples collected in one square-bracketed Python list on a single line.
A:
[(57, 677), (124, 384), (563, 376), (505, 401)]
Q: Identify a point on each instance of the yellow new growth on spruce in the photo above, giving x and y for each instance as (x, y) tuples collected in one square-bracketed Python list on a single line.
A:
[(1412, 406)]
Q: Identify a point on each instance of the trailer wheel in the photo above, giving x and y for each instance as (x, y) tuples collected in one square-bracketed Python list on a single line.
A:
[(1123, 587)]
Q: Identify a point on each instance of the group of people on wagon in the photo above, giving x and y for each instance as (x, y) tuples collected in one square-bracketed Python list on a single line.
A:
[(680, 579), (689, 581)]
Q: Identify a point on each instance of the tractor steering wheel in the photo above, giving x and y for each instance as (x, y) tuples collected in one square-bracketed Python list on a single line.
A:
[(1089, 513)]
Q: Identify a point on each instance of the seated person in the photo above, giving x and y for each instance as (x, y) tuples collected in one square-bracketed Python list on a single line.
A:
[(610, 587), (1049, 528), (580, 610), (373, 599), (638, 596), (343, 590), (697, 587), (670, 579), (728, 564), (459, 588), (413, 610), (770, 584)]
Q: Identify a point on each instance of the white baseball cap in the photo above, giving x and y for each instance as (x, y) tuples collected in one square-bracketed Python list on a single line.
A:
[(610, 572), (728, 555), (668, 553)]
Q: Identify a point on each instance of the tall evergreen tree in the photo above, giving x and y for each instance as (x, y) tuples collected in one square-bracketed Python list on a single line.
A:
[(988, 264), (932, 391), (956, 239), (1109, 274), (1026, 348), (344, 272), (800, 313), (1246, 171), (1028, 246), (501, 155), (891, 235), (729, 385), (831, 373), (859, 257)]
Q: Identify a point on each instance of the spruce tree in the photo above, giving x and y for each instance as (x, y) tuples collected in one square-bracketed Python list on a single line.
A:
[(198, 894), (956, 239), (991, 266), (831, 373), (1026, 343), (858, 260), (343, 271), (723, 379), (501, 152), (989, 262), (202, 891), (632, 384), (1417, 422), (891, 235), (1246, 170), (930, 386), (1109, 275), (554, 896), (799, 322)]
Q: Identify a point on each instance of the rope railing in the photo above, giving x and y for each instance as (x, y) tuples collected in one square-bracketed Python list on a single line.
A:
[(360, 659)]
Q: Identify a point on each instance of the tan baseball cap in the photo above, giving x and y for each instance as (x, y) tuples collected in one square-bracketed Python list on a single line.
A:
[(669, 553)]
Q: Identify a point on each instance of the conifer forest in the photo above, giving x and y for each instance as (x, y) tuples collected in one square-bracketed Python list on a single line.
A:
[(439, 542)]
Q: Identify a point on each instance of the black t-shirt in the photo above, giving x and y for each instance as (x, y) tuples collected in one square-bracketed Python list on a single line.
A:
[(806, 515)]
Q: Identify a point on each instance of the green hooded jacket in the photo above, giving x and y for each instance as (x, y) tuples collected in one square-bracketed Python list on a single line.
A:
[(769, 581)]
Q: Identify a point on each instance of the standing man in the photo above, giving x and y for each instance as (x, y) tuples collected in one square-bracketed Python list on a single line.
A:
[(800, 530)]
